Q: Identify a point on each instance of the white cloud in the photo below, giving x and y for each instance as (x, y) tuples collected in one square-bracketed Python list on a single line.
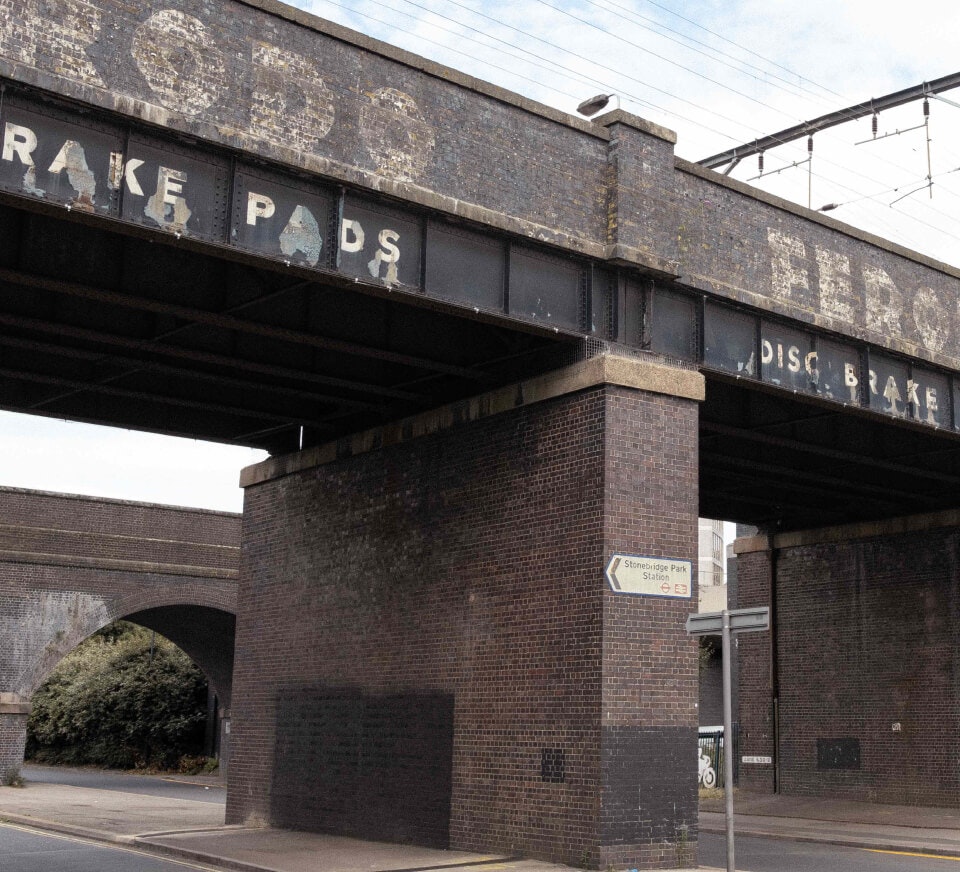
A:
[(49, 454)]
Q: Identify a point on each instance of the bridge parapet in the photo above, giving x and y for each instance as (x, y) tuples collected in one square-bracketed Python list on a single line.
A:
[(281, 85)]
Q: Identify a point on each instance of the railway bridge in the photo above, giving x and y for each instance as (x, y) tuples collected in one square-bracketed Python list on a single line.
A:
[(501, 357)]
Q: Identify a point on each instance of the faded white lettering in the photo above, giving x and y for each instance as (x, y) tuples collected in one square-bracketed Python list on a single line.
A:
[(180, 61), (836, 289), (290, 105), (387, 254), (891, 393), (932, 406), (930, 315), (302, 234), (130, 176), (19, 141), (884, 302), (73, 159), (351, 236), (259, 206), (785, 274), (395, 134), (167, 206)]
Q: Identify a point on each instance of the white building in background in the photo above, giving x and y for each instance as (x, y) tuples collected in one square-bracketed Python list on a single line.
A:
[(712, 576)]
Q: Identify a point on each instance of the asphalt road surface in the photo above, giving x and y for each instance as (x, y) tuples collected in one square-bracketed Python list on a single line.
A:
[(148, 785), (778, 855), (25, 850)]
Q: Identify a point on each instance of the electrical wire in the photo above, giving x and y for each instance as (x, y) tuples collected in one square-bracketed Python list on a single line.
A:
[(574, 73), (758, 73)]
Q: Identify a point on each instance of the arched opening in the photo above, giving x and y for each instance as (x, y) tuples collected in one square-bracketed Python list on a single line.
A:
[(150, 690)]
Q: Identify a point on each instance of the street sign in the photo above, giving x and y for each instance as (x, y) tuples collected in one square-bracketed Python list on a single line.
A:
[(650, 576), (741, 621)]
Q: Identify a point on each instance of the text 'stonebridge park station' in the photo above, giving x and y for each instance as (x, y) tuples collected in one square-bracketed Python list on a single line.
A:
[(502, 358)]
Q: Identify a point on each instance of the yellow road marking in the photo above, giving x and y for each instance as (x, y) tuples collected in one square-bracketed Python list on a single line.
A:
[(914, 854), (66, 837)]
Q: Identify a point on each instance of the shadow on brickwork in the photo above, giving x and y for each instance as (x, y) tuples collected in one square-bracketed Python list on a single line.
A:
[(373, 767)]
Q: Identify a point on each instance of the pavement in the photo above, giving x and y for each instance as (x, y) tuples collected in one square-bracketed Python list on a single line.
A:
[(191, 830), (909, 828)]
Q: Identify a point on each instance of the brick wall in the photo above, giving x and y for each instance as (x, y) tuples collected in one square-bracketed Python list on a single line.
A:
[(867, 634), (754, 673), (13, 738), (650, 683), (69, 565), (456, 581)]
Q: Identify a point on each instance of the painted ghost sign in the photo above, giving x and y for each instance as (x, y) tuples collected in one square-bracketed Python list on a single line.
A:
[(185, 64)]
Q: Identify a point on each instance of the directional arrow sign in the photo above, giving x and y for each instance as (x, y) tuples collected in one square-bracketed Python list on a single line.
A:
[(741, 621), (650, 576)]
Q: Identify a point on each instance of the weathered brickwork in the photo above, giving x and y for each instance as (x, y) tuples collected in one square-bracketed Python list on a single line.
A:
[(456, 581), (69, 565), (13, 739), (754, 672), (747, 247), (866, 659), (650, 684), (276, 82)]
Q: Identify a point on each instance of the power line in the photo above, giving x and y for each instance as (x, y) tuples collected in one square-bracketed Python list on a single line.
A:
[(832, 119), (575, 71), (760, 74)]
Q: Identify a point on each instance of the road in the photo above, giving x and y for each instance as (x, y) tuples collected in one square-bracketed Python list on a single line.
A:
[(778, 855), (150, 785), (25, 850)]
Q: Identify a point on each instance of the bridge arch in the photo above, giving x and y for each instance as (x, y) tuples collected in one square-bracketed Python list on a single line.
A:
[(71, 565)]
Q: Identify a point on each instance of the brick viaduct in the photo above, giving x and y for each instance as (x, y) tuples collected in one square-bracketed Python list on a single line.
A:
[(71, 565), (502, 358)]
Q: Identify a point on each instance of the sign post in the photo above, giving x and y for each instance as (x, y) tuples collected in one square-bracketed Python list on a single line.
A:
[(727, 623)]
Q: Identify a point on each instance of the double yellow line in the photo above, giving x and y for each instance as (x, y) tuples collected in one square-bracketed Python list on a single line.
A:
[(914, 854)]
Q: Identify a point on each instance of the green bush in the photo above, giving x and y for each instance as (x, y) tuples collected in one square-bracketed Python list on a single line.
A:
[(124, 698)]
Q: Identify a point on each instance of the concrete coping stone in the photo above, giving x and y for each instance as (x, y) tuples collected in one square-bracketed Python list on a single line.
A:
[(848, 532), (14, 704), (628, 372)]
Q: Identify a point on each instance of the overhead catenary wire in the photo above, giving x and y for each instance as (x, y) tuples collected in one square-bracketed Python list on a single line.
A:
[(843, 178)]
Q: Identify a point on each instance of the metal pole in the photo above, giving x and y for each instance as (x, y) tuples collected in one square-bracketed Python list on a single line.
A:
[(798, 131), (728, 739)]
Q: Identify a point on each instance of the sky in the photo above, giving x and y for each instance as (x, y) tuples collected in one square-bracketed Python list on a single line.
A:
[(717, 72)]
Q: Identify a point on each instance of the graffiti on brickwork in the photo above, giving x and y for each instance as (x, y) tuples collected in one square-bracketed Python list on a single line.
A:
[(267, 92), (830, 284)]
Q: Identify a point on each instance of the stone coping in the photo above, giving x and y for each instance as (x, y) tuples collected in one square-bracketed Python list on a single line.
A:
[(848, 532), (628, 372)]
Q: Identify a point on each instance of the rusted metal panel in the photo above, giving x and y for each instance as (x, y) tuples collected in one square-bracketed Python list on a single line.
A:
[(282, 219), (380, 244), (167, 188), (61, 161)]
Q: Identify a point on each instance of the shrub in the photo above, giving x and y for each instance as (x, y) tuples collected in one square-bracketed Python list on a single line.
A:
[(124, 698)]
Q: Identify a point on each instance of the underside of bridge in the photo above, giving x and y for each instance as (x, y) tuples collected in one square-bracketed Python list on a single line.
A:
[(110, 324)]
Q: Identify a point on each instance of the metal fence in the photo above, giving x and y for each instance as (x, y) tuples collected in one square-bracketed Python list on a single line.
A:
[(710, 757)]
